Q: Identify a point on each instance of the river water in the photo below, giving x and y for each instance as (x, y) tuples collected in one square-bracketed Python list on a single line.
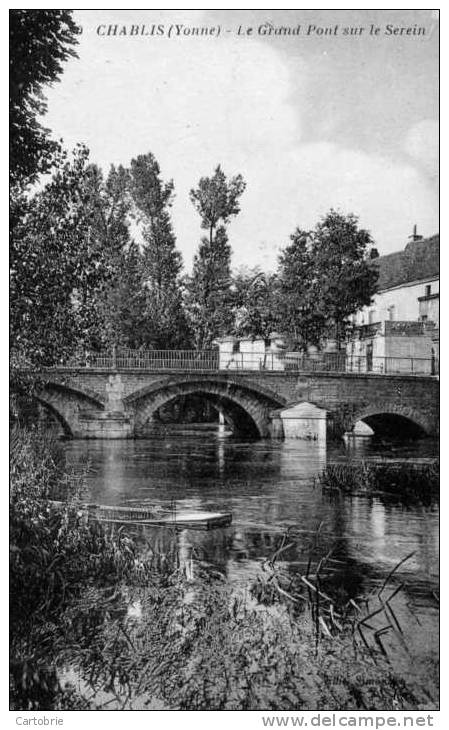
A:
[(269, 486)]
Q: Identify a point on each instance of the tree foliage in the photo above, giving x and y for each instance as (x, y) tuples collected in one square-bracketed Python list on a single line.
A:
[(325, 275), (41, 41), (344, 267), (254, 300), (298, 291), (124, 305), (217, 199), (209, 296), (63, 258), (165, 326)]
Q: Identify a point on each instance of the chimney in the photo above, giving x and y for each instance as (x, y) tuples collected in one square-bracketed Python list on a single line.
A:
[(415, 236)]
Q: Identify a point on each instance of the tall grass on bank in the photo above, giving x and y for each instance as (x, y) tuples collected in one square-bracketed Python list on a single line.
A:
[(138, 634), (55, 556), (199, 646), (401, 479)]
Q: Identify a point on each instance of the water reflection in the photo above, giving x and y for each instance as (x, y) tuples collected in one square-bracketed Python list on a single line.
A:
[(269, 488), (374, 447)]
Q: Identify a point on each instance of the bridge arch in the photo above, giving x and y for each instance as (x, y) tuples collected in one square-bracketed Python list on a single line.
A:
[(390, 419), (86, 396), (246, 407), (57, 415), (66, 404)]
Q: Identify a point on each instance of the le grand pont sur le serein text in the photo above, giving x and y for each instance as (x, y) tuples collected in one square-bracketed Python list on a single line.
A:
[(177, 30)]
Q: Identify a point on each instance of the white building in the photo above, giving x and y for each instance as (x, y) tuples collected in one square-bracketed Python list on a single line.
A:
[(409, 285), (399, 331)]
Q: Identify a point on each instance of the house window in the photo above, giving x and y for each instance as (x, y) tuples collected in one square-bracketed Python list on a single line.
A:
[(371, 314), (428, 290), (391, 313)]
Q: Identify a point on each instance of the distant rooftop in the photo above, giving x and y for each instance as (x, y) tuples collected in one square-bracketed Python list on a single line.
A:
[(419, 260)]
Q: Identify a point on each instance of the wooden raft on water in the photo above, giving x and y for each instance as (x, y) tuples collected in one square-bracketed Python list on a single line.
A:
[(155, 517)]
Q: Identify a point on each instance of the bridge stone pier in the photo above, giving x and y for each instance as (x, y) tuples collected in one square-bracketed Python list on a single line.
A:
[(100, 403)]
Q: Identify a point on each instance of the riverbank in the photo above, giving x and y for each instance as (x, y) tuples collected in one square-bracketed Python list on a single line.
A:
[(138, 628)]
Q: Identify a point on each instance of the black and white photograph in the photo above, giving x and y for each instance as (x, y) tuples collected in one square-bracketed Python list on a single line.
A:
[(224, 359)]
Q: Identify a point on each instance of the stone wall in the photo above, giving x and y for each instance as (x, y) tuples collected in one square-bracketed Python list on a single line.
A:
[(114, 399)]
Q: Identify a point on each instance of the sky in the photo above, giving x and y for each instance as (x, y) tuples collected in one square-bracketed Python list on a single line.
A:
[(313, 121)]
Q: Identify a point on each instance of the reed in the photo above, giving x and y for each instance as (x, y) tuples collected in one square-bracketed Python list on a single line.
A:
[(418, 481)]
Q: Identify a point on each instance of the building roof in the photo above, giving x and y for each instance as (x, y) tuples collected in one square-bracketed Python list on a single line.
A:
[(419, 260)]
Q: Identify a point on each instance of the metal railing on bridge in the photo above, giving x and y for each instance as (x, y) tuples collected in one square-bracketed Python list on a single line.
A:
[(126, 359), (393, 365), (213, 360)]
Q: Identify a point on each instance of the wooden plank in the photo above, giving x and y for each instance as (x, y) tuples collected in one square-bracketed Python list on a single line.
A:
[(192, 521), (153, 516), (127, 512)]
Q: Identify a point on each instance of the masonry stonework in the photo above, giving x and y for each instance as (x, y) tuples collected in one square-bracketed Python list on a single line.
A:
[(99, 404)]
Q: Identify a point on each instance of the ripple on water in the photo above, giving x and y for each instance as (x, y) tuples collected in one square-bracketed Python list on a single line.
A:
[(269, 487)]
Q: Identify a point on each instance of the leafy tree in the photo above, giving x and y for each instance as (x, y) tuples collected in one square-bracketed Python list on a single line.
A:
[(125, 301), (166, 326), (324, 276), (209, 297), (103, 205), (297, 292), (217, 200), (62, 261), (343, 263), (41, 41), (122, 304), (254, 303)]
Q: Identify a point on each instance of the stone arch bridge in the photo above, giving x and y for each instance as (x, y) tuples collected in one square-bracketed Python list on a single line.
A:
[(101, 403)]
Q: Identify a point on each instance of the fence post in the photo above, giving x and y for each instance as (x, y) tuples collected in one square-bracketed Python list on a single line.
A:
[(114, 356)]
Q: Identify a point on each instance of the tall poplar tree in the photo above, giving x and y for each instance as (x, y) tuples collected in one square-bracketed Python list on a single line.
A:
[(209, 296), (166, 326), (122, 303), (125, 304)]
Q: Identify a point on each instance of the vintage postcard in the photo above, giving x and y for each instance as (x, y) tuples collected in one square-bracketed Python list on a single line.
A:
[(224, 361)]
